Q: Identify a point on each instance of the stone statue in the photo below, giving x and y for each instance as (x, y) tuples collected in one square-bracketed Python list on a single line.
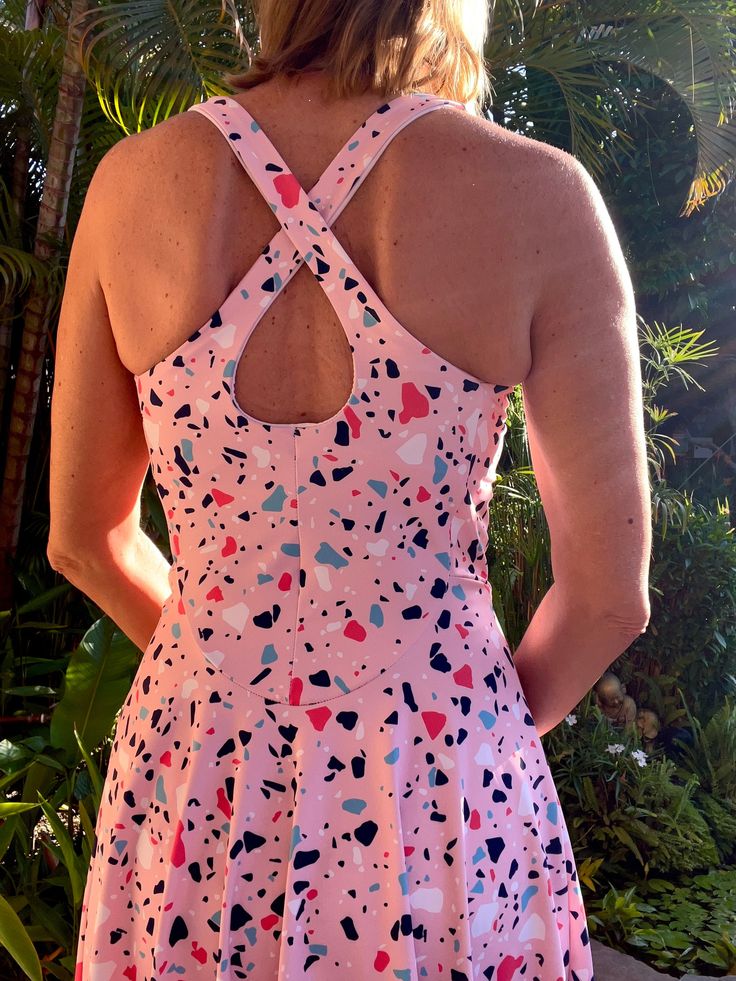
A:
[(611, 698), (648, 723)]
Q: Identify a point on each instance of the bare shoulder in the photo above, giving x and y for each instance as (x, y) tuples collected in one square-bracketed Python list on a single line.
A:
[(166, 162), (507, 176), (559, 211), (160, 179), (486, 144)]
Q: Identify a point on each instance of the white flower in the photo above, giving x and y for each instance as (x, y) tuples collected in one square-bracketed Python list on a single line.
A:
[(571, 719), (615, 748), (640, 756)]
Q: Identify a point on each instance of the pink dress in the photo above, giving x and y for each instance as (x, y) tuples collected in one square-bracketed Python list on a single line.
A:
[(326, 766)]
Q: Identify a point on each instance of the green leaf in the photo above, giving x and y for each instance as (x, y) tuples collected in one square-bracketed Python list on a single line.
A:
[(95, 775), (15, 940), (70, 858), (97, 680), (8, 808), (623, 836)]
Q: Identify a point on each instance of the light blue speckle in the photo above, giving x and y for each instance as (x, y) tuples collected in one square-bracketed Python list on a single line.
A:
[(269, 654), (443, 558), (275, 500), (527, 895), (340, 684), (440, 469), (354, 805), (376, 615), (326, 555), (487, 718)]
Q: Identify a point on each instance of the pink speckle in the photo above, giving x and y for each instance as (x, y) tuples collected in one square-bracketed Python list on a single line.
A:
[(223, 804), (508, 967), (464, 676), (434, 722), (414, 405), (221, 497), (355, 631), (199, 953), (178, 852), (319, 717), (380, 961), (287, 187), (296, 688)]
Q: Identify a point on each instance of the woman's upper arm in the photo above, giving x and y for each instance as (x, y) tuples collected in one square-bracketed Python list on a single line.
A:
[(99, 456), (583, 402)]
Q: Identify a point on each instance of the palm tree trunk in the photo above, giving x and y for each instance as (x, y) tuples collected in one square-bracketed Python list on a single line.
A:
[(49, 238), (35, 10)]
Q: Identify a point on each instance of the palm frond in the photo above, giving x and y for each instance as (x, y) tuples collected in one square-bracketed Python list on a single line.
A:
[(149, 59)]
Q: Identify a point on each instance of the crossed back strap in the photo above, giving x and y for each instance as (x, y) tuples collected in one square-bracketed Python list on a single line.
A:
[(306, 218)]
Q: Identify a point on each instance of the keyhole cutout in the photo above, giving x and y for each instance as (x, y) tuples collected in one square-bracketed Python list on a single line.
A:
[(296, 367)]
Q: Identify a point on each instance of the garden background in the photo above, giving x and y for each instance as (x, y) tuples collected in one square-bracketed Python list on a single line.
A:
[(643, 95)]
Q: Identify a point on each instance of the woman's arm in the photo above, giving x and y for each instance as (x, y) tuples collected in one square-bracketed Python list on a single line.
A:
[(583, 403), (99, 455)]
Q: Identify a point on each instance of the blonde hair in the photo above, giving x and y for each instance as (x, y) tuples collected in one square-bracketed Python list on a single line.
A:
[(391, 47)]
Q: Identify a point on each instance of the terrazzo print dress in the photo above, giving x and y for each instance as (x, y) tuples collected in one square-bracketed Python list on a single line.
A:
[(326, 762)]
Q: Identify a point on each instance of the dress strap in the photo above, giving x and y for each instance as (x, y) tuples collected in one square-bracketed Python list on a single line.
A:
[(304, 217), (354, 161)]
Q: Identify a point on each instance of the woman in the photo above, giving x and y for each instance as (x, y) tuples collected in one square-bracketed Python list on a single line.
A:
[(329, 758)]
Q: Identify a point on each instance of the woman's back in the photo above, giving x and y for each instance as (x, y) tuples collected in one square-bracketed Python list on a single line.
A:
[(327, 761), (450, 199), (345, 769)]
